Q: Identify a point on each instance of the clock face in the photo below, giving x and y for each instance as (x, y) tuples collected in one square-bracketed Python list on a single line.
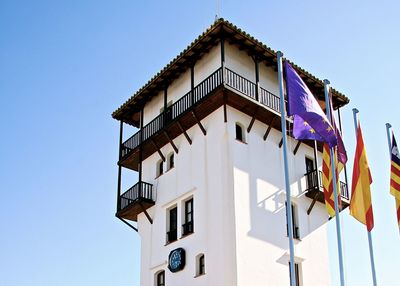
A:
[(176, 260)]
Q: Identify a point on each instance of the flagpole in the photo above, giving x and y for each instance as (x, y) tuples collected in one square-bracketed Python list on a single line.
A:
[(335, 192), (388, 126), (371, 250), (279, 56)]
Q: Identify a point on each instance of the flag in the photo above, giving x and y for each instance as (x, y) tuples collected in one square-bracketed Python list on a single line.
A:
[(341, 150), (340, 157), (395, 176), (309, 121), (327, 180), (360, 203), (395, 170)]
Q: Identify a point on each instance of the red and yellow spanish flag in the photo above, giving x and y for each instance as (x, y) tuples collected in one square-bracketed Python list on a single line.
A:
[(327, 181), (395, 176), (360, 203)]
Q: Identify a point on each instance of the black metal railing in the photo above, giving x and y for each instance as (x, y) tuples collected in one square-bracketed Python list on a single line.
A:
[(200, 92), (312, 183), (139, 191), (269, 99), (240, 83), (187, 228)]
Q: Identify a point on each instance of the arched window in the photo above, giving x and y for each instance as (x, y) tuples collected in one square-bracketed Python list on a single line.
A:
[(171, 161), (200, 265), (239, 132), (160, 168), (160, 278)]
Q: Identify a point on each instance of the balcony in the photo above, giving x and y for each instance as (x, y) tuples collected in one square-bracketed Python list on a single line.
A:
[(222, 87), (137, 199), (315, 189)]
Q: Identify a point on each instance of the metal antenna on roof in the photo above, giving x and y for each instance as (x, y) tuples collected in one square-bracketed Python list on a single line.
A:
[(218, 6)]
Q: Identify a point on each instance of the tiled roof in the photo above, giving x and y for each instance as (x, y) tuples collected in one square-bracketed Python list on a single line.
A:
[(203, 43)]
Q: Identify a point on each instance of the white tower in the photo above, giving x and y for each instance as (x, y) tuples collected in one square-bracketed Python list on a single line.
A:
[(210, 201)]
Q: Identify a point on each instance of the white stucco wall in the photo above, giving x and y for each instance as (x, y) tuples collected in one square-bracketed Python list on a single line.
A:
[(240, 62), (200, 171), (152, 108), (262, 244), (238, 192), (208, 64)]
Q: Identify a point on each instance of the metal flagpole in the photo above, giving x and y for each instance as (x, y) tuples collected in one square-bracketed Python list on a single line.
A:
[(334, 183), (371, 251), (388, 126), (279, 55)]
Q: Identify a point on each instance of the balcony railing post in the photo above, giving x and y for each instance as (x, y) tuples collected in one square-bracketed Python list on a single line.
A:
[(256, 61), (223, 58), (141, 149), (192, 84), (121, 128)]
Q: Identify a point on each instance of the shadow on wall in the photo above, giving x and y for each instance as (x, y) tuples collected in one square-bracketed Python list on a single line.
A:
[(264, 193)]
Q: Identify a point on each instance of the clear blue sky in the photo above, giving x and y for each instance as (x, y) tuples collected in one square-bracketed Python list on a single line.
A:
[(66, 65)]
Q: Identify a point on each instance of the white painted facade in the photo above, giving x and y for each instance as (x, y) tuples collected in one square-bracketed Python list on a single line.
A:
[(238, 193)]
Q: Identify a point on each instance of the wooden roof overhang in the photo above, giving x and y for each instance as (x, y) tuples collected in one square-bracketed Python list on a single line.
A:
[(129, 112)]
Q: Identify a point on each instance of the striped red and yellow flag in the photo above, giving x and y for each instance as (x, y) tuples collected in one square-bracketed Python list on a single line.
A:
[(327, 181), (360, 203), (395, 176)]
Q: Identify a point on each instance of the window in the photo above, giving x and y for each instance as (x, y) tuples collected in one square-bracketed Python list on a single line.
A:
[(160, 168), (296, 233), (311, 175), (296, 274), (171, 162), (309, 165), (160, 278), (188, 225), (200, 265), (239, 132), (173, 224)]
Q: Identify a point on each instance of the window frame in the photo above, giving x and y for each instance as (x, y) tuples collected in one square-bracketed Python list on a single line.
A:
[(296, 274), (295, 221), (172, 233), (202, 265), (160, 168), (188, 218), (171, 158), (239, 130), (158, 276)]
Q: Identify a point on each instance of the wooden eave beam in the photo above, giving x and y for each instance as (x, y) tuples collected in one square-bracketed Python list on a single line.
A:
[(199, 123), (313, 203), (253, 118), (184, 132), (145, 212), (296, 148), (171, 142), (158, 150), (269, 128)]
